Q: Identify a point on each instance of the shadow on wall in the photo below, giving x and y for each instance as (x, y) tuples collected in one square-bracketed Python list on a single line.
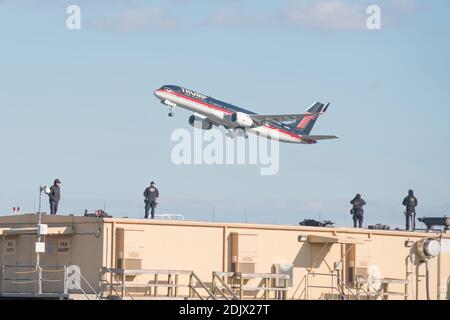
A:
[(311, 255)]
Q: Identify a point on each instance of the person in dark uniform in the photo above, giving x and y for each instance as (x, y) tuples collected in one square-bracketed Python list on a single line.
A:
[(151, 195), (358, 211), (411, 203), (54, 196)]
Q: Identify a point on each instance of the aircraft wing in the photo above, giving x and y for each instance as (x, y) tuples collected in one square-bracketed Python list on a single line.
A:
[(318, 138), (259, 118), (316, 109)]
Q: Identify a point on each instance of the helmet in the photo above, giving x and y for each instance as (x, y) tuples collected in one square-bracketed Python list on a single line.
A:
[(57, 181)]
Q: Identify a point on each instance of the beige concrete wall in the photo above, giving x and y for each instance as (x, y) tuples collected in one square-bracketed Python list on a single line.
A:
[(167, 246), (206, 247)]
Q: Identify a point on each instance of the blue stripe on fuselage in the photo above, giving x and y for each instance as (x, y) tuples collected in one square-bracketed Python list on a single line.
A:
[(210, 100), (223, 105)]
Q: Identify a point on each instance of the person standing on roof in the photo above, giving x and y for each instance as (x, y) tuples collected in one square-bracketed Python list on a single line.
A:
[(151, 195), (358, 211), (54, 196), (411, 203)]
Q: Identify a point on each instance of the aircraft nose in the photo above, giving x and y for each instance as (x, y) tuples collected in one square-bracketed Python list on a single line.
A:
[(157, 93)]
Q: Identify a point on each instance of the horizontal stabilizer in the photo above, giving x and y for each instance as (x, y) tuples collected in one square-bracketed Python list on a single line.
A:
[(280, 117), (318, 138)]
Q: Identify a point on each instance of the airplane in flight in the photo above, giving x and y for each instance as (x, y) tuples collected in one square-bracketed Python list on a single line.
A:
[(209, 112)]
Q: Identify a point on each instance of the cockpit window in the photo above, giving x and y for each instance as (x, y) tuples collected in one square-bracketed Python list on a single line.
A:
[(166, 88)]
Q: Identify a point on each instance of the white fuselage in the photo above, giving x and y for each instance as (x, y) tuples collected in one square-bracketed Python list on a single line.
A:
[(221, 116)]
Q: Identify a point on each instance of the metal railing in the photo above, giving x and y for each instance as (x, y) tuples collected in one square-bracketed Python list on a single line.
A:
[(192, 287), (335, 285), (53, 280), (169, 216), (381, 290), (111, 284), (125, 283), (232, 285), (25, 279), (343, 291), (114, 280), (223, 288), (359, 292)]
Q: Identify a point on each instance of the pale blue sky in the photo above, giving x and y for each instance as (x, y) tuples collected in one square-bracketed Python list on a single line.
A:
[(79, 105)]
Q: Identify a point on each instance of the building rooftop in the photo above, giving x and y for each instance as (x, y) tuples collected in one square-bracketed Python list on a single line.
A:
[(24, 220)]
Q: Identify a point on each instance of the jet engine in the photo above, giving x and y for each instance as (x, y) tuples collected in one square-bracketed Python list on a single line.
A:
[(240, 119), (200, 123)]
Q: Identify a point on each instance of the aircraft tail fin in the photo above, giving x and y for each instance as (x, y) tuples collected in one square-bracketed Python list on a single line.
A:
[(305, 124)]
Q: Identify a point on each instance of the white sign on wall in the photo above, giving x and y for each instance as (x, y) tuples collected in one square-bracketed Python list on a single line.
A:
[(64, 246), (40, 247), (10, 247)]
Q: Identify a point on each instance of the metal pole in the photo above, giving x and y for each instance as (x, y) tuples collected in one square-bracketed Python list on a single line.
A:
[(2, 278), (427, 277), (66, 280), (38, 266), (40, 196), (339, 287)]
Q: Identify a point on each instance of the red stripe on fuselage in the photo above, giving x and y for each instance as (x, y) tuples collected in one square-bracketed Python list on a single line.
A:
[(231, 112), (201, 102)]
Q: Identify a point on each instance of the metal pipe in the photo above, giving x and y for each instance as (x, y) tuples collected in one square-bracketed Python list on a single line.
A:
[(38, 265), (225, 249), (416, 275), (66, 285), (2, 277), (427, 277)]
